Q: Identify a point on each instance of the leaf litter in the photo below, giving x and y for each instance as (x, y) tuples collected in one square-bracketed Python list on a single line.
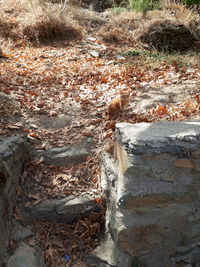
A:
[(41, 84)]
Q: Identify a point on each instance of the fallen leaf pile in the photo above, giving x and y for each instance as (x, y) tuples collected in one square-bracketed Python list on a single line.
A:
[(58, 95)]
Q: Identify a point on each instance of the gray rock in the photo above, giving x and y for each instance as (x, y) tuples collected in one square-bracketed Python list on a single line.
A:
[(33, 140), (119, 57), (20, 232), (14, 151), (94, 53), (26, 256), (64, 210), (66, 155), (108, 255), (162, 137)]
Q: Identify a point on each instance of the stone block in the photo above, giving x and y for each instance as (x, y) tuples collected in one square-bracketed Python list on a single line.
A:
[(152, 184)]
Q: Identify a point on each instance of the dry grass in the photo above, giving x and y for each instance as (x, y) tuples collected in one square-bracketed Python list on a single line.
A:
[(43, 24), (87, 18), (37, 22), (129, 25), (10, 12), (120, 27), (14, 8), (8, 27), (175, 28), (167, 35)]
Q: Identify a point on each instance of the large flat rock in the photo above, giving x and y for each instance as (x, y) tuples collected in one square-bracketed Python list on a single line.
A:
[(62, 210), (160, 137), (66, 155)]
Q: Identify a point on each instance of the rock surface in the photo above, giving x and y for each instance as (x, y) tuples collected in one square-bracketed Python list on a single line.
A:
[(66, 155), (26, 256), (13, 154), (64, 210), (20, 232), (108, 255), (152, 186)]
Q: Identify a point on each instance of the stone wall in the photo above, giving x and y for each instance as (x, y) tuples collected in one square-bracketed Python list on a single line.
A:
[(13, 154), (153, 191)]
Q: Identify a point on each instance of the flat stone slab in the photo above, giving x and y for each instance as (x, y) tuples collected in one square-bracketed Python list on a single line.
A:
[(20, 232), (26, 256), (63, 210), (160, 137), (66, 155)]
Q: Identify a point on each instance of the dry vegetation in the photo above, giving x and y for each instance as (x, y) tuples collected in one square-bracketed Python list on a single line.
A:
[(41, 22), (172, 28), (37, 22), (120, 27)]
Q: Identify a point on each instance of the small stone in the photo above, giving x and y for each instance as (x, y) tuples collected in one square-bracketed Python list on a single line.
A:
[(92, 39), (94, 53), (33, 140), (184, 163), (53, 113), (120, 57), (33, 126), (18, 65), (110, 62)]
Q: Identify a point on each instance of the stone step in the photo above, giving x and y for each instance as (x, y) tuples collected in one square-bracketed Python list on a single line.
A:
[(65, 210)]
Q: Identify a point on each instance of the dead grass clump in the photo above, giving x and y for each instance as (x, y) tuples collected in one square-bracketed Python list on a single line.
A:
[(158, 14), (10, 12), (120, 27), (46, 24), (1, 52), (194, 26), (92, 4), (87, 18), (113, 35), (167, 36), (13, 8), (9, 27)]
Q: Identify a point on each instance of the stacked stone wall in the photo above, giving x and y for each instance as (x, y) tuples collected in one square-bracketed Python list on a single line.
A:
[(153, 191), (13, 154)]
